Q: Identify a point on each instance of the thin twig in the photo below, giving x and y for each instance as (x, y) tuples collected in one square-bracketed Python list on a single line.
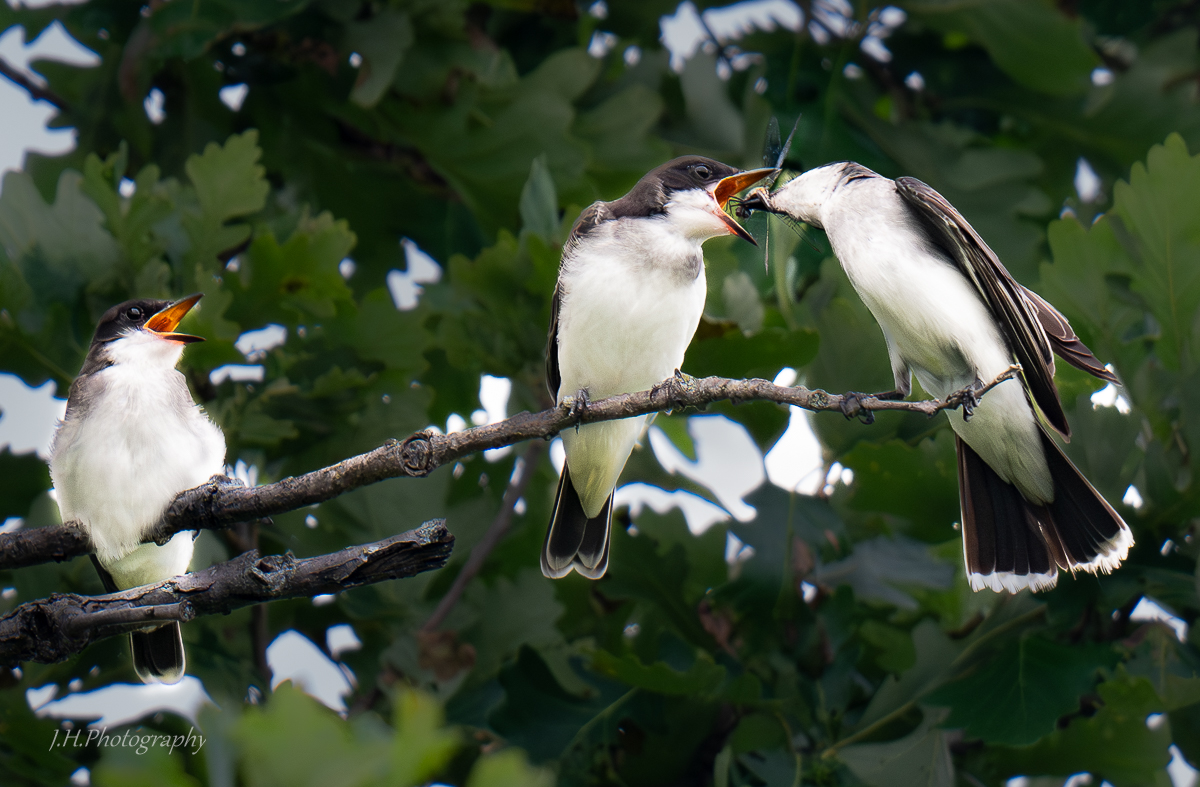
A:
[(220, 504), (55, 628), (499, 528), (35, 91)]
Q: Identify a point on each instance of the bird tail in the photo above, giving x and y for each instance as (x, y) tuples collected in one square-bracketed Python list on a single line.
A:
[(574, 541), (1011, 543), (158, 654)]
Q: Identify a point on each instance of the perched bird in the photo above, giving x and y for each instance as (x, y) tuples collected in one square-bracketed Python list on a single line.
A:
[(953, 316), (131, 440), (630, 292)]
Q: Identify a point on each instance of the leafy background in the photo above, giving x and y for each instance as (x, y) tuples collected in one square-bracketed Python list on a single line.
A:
[(844, 647)]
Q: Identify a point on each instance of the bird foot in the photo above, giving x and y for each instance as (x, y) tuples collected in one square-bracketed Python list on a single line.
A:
[(577, 405), (676, 388), (852, 403), (968, 398), (852, 407)]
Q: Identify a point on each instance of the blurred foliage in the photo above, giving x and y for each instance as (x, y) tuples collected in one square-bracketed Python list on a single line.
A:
[(844, 648)]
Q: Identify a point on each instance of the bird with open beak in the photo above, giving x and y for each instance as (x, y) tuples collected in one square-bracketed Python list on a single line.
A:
[(953, 316), (630, 292), (131, 440)]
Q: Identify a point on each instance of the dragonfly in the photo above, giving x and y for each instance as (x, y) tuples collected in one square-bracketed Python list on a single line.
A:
[(775, 152)]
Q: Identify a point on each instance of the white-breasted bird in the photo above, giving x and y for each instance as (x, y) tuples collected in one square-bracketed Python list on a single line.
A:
[(630, 292), (131, 440), (953, 316)]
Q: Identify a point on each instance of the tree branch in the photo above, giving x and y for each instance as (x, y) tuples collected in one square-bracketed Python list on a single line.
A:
[(52, 629), (35, 91), (221, 503), (499, 527)]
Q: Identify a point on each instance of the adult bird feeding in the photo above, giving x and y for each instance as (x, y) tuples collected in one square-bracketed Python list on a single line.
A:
[(630, 292), (954, 317), (131, 440)]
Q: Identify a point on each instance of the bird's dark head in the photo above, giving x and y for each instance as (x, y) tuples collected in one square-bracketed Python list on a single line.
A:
[(693, 191), (152, 319)]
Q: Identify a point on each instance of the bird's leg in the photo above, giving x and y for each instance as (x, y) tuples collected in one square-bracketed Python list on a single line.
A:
[(577, 405), (676, 387), (852, 403), (969, 398)]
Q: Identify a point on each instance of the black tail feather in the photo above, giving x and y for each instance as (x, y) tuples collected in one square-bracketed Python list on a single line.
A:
[(1010, 543), (574, 541), (158, 654)]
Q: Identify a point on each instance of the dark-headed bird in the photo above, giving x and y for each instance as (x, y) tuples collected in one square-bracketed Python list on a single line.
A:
[(953, 316), (131, 440), (630, 293)]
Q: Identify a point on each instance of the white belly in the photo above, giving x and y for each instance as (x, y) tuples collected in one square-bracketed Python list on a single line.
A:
[(936, 322), (118, 469), (621, 329)]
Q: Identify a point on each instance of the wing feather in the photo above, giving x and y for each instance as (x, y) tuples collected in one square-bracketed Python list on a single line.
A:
[(1016, 313), (593, 216)]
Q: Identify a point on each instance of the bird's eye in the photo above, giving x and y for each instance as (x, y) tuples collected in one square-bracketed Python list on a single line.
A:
[(134, 313), (702, 172)]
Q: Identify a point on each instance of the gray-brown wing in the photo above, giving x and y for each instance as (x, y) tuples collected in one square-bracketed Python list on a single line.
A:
[(553, 377), (1006, 299), (1063, 339), (594, 215)]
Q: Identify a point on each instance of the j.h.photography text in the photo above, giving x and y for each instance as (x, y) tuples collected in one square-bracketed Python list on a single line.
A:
[(140, 742)]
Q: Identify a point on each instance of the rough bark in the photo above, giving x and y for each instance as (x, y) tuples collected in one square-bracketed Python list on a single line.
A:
[(55, 628)]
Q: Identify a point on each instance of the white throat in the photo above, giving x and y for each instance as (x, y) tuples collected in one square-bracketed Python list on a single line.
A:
[(142, 349), (690, 215)]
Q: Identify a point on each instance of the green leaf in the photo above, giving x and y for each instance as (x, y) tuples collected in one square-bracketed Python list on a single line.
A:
[(1030, 40), (1016, 697), (127, 766), (935, 652), (60, 248), (920, 758), (293, 282), (295, 740), (421, 747), (508, 768), (762, 355), (511, 614), (539, 203), (26, 757), (485, 144), (382, 41), (1160, 206), (539, 715), (1185, 729), (1115, 744), (743, 304), (880, 567), (917, 482), (25, 477), (228, 179), (702, 678), (896, 650), (1077, 286)]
